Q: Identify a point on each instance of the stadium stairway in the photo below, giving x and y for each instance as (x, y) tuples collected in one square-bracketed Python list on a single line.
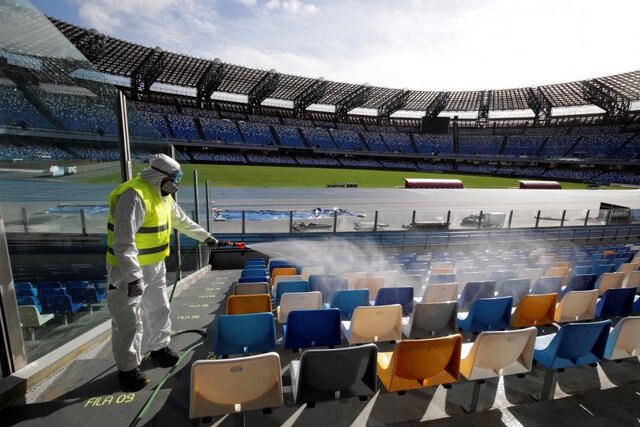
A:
[(87, 392)]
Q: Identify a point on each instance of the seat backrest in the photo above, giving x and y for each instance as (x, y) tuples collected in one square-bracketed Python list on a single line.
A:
[(253, 272), (628, 266), (608, 281), (348, 299), (282, 271), (290, 278), (416, 281), (440, 293), (289, 287), (624, 339), (277, 262), (577, 305), (615, 302), (436, 279), (235, 385), (558, 271), (308, 271), (576, 340), (532, 274), (535, 310), (602, 268), (500, 276), (581, 269), (438, 270), (547, 285), (376, 323), (352, 276), (312, 328), (433, 319), (389, 276), (371, 283), (402, 295), (474, 291), (30, 316), (488, 314), (498, 353), (298, 301), (423, 360), (244, 333), (632, 280), (580, 282), (516, 288), (349, 370), (250, 288), (245, 304)]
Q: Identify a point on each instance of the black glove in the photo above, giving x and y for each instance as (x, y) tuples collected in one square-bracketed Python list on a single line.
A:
[(135, 289), (211, 242), (225, 243)]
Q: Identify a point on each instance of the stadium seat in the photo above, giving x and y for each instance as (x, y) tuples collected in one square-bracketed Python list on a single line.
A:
[(312, 328), (231, 386), (290, 278), (282, 271), (432, 320), (283, 287), (373, 284), (576, 306), (547, 285), (580, 282), (600, 269), (615, 302), (632, 280), (438, 279), (624, 339), (347, 300), (575, 344), (308, 271), (628, 267), (254, 272), (298, 301), (487, 314), (515, 288), (250, 288), (244, 334), (500, 276), (608, 281), (496, 354), (327, 374), (422, 363), (440, 293), (31, 319), (558, 271), (373, 324), (402, 295), (252, 279), (30, 300), (534, 310), (83, 291), (245, 304), (473, 291), (533, 274)]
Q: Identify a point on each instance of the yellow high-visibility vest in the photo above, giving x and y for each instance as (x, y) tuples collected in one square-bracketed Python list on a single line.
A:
[(152, 239)]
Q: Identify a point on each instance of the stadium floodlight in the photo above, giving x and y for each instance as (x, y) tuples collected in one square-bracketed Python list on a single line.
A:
[(310, 95), (483, 110), (261, 90), (615, 105), (210, 82), (147, 72), (540, 105), (395, 102), (354, 99)]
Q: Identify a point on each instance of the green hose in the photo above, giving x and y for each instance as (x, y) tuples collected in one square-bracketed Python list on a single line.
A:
[(203, 338)]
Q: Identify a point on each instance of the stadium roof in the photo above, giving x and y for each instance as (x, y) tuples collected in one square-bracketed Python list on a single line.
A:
[(122, 58)]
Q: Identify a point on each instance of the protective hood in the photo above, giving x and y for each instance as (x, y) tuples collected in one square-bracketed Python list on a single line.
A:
[(159, 163)]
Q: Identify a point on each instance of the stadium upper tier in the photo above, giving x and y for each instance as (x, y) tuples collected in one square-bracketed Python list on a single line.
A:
[(145, 66)]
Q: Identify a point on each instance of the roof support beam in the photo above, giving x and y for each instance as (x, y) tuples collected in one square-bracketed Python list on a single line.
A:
[(615, 105), (310, 95), (261, 91), (392, 104), (483, 110), (147, 73), (209, 82), (540, 105), (438, 105), (353, 100)]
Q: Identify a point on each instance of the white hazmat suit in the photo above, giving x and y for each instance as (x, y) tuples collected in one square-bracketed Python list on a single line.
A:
[(128, 320)]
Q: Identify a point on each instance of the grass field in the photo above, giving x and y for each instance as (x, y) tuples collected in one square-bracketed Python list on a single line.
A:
[(278, 176)]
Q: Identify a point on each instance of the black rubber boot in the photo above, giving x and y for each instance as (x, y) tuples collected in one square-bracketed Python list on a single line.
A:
[(134, 379), (165, 357)]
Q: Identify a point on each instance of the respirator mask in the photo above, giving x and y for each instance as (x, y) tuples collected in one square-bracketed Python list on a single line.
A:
[(171, 184)]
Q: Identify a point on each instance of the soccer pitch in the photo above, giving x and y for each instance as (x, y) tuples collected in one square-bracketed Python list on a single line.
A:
[(309, 177)]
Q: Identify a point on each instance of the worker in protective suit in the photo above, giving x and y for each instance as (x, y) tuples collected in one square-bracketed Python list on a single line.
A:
[(141, 216)]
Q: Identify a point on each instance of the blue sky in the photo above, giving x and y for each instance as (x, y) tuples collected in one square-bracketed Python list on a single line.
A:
[(415, 44)]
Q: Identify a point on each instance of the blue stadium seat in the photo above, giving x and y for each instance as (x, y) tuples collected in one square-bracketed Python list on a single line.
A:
[(312, 328), (347, 300), (244, 334), (438, 279), (547, 285), (516, 288), (253, 272), (580, 282), (487, 314), (598, 269), (30, 300), (402, 295), (288, 287), (252, 279), (475, 290), (615, 302)]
